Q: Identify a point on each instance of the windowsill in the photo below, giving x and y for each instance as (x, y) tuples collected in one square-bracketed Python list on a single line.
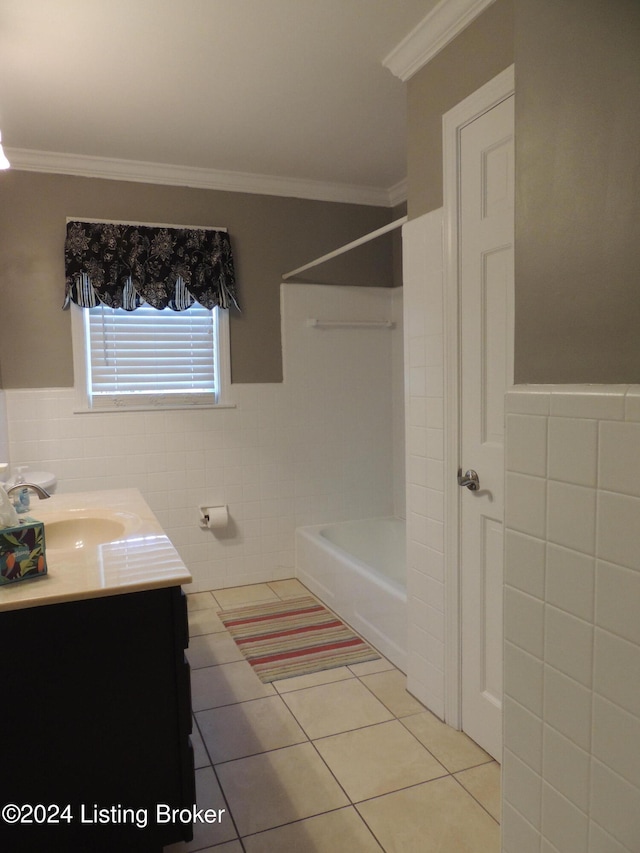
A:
[(85, 410)]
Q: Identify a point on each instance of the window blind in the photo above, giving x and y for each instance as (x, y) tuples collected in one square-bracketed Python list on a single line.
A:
[(150, 352)]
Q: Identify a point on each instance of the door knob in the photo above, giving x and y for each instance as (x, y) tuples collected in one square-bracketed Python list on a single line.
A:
[(469, 479)]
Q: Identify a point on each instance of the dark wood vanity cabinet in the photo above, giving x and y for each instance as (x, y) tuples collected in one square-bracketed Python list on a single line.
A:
[(96, 718)]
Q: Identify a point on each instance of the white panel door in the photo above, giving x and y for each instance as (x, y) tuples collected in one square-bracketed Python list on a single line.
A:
[(486, 223)]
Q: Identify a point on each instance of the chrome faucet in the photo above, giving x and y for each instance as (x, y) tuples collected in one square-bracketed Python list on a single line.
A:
[(41, 493)]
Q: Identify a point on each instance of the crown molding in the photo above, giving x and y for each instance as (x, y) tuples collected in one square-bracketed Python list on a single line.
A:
[(188, 176), (434, 32), (398, 193)]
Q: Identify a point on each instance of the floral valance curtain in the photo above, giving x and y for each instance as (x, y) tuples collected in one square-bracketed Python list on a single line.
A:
[(124, 266)]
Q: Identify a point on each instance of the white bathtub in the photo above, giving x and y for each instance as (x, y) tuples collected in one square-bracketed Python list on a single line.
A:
[(358, 569)]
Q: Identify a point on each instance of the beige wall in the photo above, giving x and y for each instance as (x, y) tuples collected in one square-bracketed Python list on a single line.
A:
[(270, 236), (578, 191), (577, 250), (473, 58)]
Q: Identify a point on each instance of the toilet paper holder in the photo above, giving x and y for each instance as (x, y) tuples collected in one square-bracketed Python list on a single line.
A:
[(214, 517)]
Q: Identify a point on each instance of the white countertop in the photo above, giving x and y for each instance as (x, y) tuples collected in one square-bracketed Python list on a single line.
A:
[(141, 558)]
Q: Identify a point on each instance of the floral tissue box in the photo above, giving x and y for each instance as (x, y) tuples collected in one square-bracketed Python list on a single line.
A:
[(22, 552)]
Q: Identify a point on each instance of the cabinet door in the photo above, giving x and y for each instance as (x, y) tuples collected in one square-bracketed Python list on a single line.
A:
[(96, 701)]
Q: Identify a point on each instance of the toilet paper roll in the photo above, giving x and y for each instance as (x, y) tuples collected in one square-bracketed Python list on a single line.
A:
[(218, 517)]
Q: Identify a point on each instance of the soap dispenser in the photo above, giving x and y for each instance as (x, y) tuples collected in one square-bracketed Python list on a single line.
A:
[(21, 499)]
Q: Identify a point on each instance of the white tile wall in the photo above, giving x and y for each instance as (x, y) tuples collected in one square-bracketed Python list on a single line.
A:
[(571, 774), (424, 406), (397, 407), (288, 454)]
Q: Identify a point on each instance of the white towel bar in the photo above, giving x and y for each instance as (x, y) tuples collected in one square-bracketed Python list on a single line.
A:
[(350, 324)]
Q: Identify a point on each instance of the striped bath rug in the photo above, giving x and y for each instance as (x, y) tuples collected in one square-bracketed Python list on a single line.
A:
[(295, 637)]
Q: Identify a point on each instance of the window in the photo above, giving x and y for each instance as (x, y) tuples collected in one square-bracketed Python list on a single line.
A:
[(150, 358), (149, 306)]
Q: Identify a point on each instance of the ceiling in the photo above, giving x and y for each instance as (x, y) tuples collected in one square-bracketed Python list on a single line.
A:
[(292, 89)]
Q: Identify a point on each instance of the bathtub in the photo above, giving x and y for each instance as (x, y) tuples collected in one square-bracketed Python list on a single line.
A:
[(358, 569)]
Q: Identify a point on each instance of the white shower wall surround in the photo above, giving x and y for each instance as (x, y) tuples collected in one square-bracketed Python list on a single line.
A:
[(571, 771), (289, 454), (422, 257)]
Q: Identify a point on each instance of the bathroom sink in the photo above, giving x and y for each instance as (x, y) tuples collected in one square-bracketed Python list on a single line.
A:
[(83, 531)]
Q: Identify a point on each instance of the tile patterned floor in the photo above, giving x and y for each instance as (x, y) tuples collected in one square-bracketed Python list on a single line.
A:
[(339, 761)]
